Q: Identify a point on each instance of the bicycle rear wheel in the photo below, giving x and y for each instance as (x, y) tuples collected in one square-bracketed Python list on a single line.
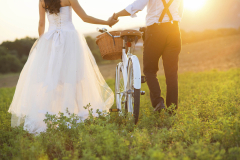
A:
[(133, 94), (120, 89)]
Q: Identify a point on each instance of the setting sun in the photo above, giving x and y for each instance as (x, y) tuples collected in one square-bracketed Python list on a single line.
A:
[(194, 4)]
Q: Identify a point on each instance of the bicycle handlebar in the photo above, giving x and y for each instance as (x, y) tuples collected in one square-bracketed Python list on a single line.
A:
[(101, 30), (104, 30)]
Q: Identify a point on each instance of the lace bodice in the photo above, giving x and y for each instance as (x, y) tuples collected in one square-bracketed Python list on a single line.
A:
[(61, 21)]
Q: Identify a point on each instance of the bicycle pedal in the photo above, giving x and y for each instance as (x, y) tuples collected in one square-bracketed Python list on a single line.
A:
[(143, 79), (142, 92), (114, 110)]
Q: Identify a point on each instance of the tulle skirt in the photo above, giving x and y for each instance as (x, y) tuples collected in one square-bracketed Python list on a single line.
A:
[(60, 73)]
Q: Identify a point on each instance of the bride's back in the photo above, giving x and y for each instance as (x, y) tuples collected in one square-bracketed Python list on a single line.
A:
[(61, 20)]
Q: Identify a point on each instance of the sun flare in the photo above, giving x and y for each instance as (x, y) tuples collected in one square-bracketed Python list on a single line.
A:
[(194, 5)]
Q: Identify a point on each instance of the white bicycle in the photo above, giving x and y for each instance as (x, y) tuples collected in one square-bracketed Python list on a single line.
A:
[(128, 77)]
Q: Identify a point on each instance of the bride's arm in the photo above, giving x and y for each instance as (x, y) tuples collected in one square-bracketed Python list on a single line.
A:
[(86, 18), (41, 25)]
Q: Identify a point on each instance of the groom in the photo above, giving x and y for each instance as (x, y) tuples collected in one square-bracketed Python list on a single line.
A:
[(162, 39)]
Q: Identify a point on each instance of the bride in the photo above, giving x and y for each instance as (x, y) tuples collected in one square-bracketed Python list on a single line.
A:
[(60, 72)]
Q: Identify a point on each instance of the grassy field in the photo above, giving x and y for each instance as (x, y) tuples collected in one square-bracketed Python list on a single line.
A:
[(206, 126)]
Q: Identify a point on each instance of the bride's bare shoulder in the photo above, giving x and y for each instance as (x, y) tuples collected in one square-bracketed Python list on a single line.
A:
[(42, 2), (65, 3)]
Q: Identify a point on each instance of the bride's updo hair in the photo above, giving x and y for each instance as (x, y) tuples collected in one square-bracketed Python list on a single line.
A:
[(52, 6)]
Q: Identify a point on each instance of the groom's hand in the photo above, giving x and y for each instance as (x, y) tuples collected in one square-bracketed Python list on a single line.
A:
[(115, 16), (112, 20)]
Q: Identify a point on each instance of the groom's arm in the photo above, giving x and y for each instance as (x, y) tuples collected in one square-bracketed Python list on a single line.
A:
[(132, 9)]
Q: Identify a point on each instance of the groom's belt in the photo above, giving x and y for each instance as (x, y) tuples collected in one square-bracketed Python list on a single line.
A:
[(167, 27), (164, 25)]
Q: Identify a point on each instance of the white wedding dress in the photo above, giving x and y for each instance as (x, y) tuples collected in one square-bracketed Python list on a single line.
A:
[(60, 73)]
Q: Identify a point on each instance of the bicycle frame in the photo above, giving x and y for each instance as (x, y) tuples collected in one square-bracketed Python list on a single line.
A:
[(128, 77), (127, 60)]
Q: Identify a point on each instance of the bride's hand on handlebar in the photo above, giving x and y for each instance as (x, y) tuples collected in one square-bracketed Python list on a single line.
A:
[(112, 21)]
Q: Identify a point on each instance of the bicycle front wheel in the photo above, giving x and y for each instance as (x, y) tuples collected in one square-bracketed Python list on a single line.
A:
[(120, 89), (133, 94)]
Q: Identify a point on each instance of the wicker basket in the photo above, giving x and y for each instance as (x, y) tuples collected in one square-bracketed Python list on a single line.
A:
[(108, 50)]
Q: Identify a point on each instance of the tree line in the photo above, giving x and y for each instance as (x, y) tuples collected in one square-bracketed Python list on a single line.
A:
[(14, 54)]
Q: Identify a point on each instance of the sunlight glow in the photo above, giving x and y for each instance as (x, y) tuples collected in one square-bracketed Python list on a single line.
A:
[(194, 5)]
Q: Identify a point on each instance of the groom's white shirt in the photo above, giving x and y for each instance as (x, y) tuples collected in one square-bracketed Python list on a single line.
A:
[(154, 10)]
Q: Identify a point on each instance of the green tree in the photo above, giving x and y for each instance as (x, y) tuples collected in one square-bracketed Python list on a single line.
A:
[(8, 62), (20, 46)]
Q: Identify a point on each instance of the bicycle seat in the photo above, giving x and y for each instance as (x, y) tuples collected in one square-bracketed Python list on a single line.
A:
[(131, 33)]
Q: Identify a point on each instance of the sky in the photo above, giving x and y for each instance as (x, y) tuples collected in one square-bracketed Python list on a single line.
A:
[(19, 18)]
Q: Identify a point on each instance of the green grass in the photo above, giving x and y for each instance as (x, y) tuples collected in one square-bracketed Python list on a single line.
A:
[(206, 126)]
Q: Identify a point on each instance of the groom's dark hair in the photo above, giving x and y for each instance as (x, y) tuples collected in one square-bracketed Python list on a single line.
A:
[(52, 6)]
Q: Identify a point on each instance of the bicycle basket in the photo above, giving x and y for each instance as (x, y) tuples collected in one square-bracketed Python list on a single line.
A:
[(109, 50)]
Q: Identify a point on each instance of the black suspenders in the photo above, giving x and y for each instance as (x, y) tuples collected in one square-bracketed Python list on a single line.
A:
[(166, 10)]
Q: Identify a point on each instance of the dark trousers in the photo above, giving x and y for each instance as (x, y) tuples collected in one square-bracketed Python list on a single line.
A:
[(162, 40)]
